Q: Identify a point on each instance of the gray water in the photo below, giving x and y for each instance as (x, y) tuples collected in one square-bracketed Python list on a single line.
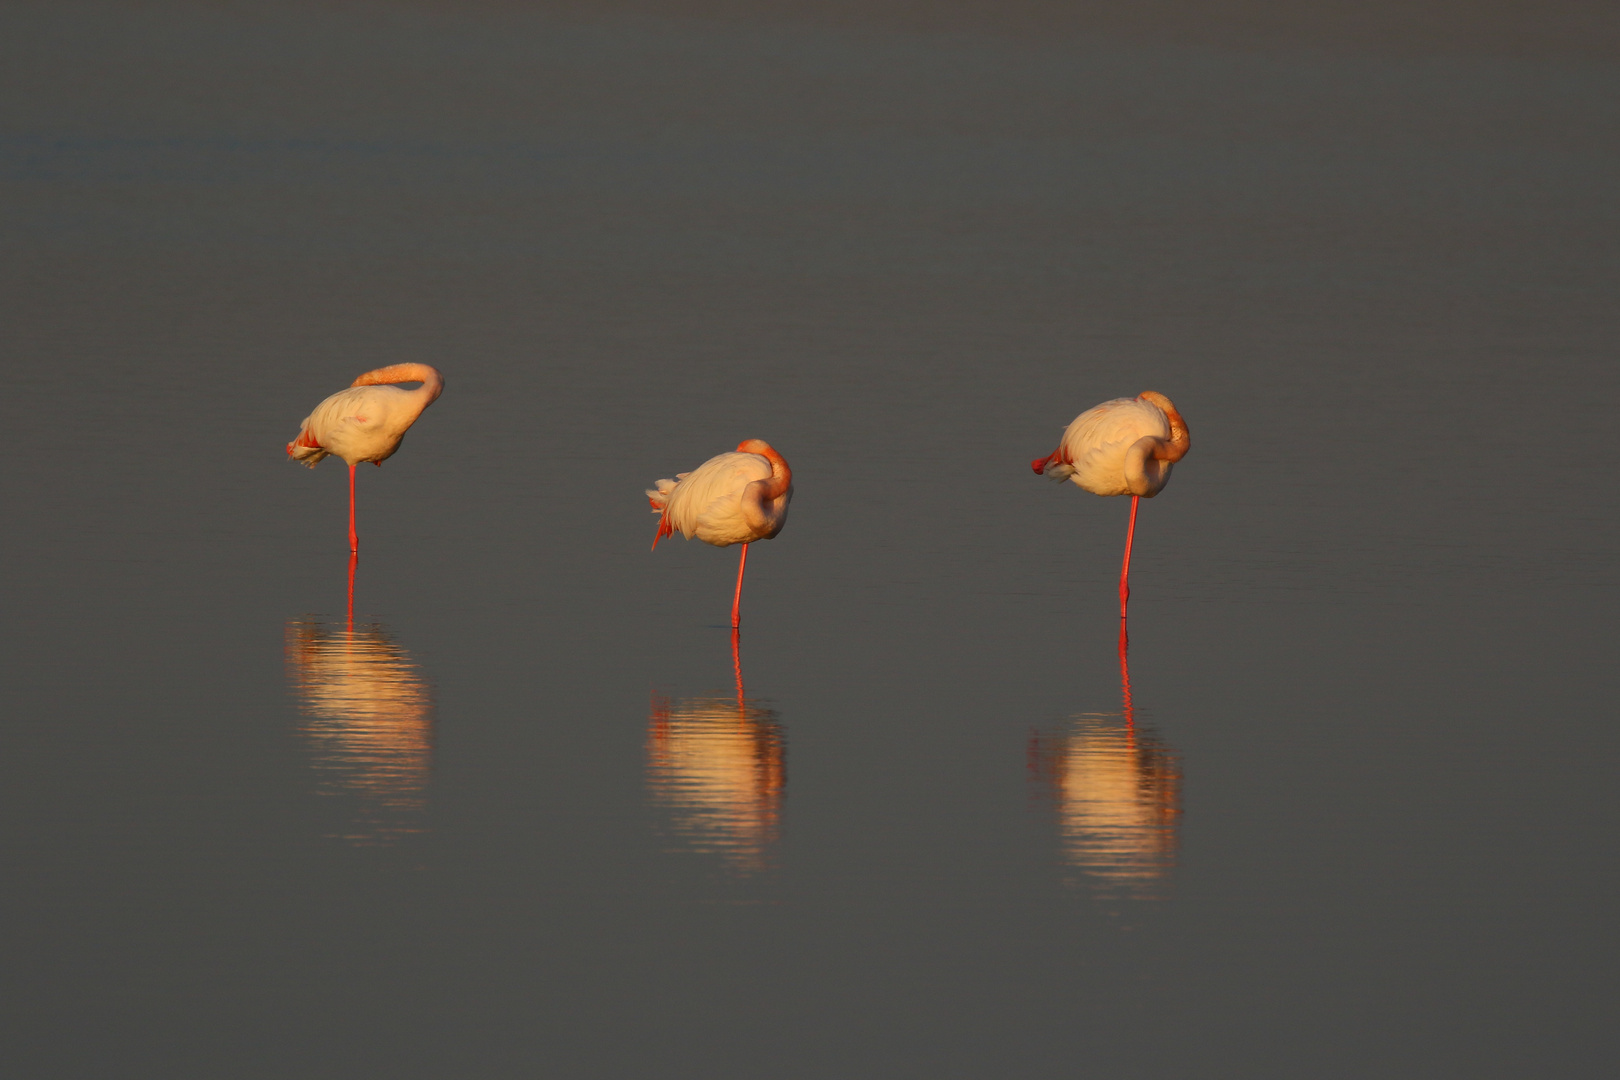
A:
[(526, 813)]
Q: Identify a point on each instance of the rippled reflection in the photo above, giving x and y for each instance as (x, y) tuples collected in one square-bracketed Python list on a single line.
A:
[(1116, 790), (368, 719), (716, 766)]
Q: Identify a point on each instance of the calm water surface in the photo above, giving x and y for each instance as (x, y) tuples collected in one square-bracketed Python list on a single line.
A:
[(527, 809)]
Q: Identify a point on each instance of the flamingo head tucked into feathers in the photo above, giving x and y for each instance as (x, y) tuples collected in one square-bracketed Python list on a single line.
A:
[(765, 502), (781, 475), (1180, 439)]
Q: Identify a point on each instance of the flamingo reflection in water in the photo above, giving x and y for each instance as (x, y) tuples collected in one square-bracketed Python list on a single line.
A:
[(717, 766), (1117, 792), (368, 721)]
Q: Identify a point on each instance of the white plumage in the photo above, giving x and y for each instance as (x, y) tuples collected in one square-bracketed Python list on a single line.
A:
[(367, 421), (729, 499), (1103, 449)]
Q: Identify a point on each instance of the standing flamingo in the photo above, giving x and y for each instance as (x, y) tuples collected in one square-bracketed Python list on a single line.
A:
[(1124, 446), (734, 498), (366, 422)]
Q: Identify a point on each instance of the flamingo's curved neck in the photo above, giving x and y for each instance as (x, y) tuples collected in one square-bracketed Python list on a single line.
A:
[(432, 382)]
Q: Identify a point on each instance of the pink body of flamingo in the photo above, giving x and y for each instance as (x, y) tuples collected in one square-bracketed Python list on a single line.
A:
[(1121, 447), (734, 498), (366, 422)]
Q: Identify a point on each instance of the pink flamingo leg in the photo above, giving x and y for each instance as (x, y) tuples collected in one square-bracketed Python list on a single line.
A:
[(736, 665), (354, 560), (354, 537), (736, 601), (1125, 573)]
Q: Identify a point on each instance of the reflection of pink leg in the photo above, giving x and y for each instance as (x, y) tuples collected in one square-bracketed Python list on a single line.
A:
[(354, 537), (1125, 574), (354, 560), (736, 601)]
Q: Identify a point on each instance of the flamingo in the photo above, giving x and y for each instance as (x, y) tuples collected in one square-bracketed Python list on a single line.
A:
[(733, 498), (1124, 446), (366, 422)]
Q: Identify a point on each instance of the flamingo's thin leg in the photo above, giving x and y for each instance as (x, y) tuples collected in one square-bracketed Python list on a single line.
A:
[(736, 665), (736, 601), (354, 537), (354, 560), (1125, 681), (1125, 573)]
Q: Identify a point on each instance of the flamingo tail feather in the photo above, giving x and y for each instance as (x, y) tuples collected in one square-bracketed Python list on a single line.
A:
[(306, 450), (1053, 465)]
